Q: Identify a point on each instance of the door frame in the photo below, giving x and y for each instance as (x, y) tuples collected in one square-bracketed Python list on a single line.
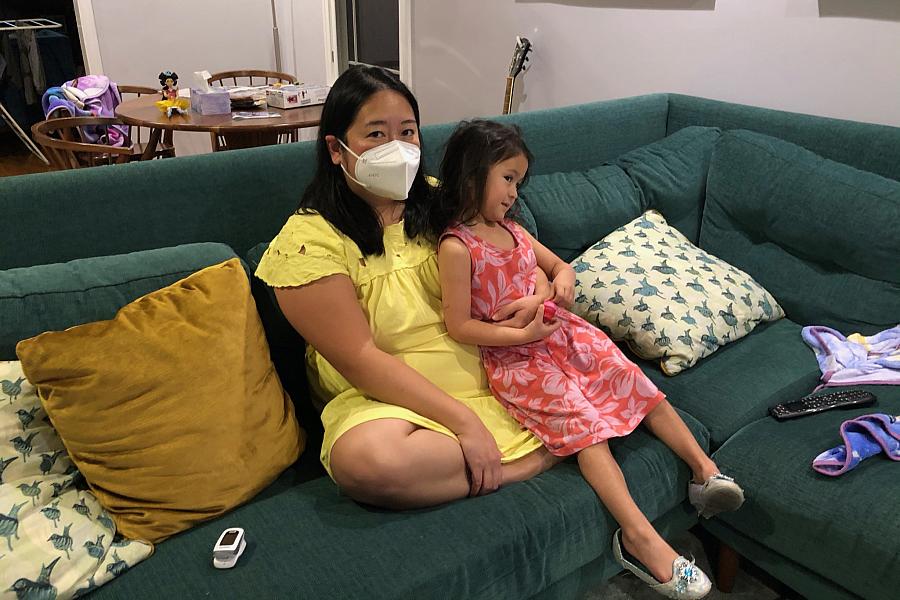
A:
[(330, 13), (87, 35)]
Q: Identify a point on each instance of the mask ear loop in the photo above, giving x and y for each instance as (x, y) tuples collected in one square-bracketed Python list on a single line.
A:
[(344, 169)]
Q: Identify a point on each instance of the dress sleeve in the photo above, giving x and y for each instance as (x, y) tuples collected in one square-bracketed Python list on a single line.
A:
[(306, 249)]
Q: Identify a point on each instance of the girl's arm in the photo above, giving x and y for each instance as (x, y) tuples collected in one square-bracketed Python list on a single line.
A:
[(345, 341), (520, 312), (455, 267), (560, 273)]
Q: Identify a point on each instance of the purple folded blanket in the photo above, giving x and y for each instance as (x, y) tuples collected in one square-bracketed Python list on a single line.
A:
[(863, 437)]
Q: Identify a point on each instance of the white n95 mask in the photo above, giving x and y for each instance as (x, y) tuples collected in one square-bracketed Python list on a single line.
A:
[(387, 170)]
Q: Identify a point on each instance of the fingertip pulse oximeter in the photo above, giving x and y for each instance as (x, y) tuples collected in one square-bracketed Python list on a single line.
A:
[(229, 548)]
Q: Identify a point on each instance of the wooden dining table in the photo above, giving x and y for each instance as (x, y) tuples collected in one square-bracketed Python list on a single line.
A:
[(238, 133)]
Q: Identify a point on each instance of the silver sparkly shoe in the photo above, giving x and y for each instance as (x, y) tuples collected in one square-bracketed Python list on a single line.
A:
[(717, 494), (688, 581)]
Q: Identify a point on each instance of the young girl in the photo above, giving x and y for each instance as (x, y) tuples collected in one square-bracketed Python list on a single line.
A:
[(560, 377)]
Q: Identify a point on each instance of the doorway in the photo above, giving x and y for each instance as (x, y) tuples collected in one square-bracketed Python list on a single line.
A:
[(370, 32)]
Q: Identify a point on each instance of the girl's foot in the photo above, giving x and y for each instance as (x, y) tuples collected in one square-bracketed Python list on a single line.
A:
[(686, 582), (718, 493), (652, 551)]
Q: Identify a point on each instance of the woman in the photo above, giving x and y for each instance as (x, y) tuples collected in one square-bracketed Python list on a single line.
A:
[(409, 419)]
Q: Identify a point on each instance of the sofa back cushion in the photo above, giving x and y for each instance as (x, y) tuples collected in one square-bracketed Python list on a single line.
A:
[(58, 296), (573, 210), (237, 198), (572, 138), (821, 236), (866, 146), (671, 174)]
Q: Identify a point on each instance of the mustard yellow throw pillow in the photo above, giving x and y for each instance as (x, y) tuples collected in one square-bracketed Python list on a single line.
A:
[(172, 410)]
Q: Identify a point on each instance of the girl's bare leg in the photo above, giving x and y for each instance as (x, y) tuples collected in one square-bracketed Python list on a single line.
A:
[(393, 463), (668, 426), (639, 537)]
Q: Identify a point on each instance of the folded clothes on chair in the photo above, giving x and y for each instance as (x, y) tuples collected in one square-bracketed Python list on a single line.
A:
[(863, 437)]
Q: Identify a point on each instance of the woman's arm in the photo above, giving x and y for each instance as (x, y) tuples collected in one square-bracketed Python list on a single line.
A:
[(455, 267), (344, 339), (560, 273)]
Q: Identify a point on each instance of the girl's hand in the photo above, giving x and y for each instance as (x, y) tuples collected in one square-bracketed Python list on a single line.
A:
[(537, 329), (518, 313), (563, 288), (482, 459)]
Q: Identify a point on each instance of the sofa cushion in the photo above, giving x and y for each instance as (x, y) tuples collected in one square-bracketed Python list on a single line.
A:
[(671, 174), (172, 410), (737, 385), (575, 209), (310, 541), (51, 523), (820, 235), (57, 296), (645, 283), (845, 528)]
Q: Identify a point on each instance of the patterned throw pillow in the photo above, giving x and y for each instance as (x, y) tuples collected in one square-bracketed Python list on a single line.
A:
[(645, 283), (56, 540)]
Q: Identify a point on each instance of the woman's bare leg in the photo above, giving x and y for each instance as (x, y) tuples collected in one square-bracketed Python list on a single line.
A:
[(639, 537), (668, 426), (393, 463)]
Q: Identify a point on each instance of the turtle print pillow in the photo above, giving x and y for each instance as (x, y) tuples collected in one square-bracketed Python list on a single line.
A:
[(646, 284), (56, 541)]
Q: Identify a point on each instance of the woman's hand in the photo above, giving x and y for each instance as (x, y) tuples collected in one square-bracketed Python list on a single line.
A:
[(563, 288), (482, 458), (518, 313)]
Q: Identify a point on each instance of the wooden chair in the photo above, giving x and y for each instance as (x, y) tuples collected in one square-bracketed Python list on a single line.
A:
[(61, 141), (141, 135), (251, 77)]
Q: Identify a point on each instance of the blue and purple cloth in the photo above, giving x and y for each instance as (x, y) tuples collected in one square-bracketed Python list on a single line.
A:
[(855, 359), (863, 437), (86, 96)]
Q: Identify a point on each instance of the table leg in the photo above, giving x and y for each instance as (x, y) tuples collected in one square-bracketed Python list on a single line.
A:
[(152, 144)]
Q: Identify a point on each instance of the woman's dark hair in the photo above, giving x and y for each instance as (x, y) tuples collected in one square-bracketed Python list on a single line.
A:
[(473, 148), (328, 193)]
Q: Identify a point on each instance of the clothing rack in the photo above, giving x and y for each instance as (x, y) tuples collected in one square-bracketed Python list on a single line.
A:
[(22, 25)]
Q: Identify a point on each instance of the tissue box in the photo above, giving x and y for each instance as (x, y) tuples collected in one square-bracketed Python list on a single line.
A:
[(214, 102), (295, 96)]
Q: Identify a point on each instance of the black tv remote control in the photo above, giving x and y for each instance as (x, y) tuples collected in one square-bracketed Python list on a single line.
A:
[(812, 404)]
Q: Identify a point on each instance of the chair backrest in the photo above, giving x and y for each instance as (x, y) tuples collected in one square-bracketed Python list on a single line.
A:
[(61, 140), (252, 77), (137, 133)]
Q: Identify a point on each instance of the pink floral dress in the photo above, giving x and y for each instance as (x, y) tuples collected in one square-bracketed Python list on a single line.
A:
[(574, 388)]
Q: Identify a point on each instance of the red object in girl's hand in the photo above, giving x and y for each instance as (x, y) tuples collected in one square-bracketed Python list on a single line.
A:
[(549, 310)]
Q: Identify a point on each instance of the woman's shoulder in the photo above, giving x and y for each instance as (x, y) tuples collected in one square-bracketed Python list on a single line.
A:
[(307, 248), (312, 230)]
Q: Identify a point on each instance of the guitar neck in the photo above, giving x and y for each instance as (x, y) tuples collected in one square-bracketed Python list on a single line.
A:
[(507, 97)]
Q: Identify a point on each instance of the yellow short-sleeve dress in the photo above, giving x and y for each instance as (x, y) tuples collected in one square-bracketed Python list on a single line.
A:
[(400, 295)]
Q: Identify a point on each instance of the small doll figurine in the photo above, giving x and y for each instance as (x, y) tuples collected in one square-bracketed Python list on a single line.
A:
[(171, 104), (169, 82)]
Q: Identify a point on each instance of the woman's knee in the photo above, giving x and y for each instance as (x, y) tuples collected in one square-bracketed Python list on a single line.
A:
[(371, 473)]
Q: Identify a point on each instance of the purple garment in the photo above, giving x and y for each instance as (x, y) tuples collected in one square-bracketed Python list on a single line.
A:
[(855, 360), (91, 95), (863, 437)]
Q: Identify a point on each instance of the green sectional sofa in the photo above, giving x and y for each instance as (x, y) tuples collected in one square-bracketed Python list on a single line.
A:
[(810, 207)]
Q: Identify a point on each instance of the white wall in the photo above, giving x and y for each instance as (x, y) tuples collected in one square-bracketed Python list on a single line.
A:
[(838, 58), (140, 38)]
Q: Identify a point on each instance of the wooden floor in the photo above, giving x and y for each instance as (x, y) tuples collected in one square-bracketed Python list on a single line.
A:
[(15, 159)]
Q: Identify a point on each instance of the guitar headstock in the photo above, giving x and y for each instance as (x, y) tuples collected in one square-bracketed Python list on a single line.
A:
[(520, 56)]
